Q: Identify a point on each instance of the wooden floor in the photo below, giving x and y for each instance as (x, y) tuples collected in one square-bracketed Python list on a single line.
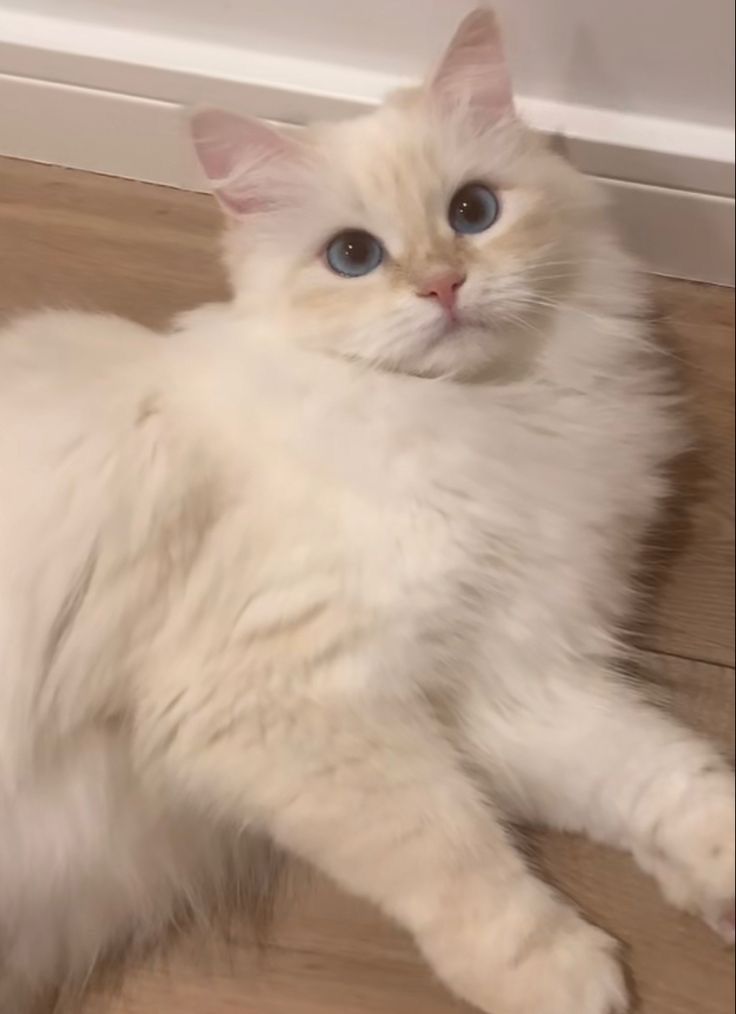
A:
[(67, 238)]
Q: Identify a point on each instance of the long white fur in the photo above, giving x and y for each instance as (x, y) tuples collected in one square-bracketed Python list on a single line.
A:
[(306, 561)]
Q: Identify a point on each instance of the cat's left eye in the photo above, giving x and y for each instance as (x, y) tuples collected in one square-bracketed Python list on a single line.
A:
[(353, 253), (474, 208)]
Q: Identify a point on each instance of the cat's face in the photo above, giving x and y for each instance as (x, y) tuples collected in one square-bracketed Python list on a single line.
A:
[(431, 237)]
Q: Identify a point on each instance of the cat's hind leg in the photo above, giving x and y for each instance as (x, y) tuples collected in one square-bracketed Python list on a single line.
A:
[(87, 865)]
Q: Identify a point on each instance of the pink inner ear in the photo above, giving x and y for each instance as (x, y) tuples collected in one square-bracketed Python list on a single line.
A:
[(473, 72), (218, 138), (246, 162)]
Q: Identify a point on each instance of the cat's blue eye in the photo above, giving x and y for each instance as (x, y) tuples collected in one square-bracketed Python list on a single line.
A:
[(353, 253), (474, 208)]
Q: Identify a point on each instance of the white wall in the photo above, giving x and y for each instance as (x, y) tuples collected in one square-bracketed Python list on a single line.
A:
[(637, 92), (666, 58)]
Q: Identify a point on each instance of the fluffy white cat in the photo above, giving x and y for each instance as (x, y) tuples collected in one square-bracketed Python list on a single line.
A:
[(346, 560)]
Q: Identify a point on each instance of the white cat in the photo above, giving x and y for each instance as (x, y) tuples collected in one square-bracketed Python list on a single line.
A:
[(306, 562)]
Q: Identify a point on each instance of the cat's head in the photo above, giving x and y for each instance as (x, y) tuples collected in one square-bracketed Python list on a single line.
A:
[(429, 237)]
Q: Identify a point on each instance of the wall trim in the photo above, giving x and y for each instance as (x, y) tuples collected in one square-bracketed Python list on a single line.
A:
[(110, 100)]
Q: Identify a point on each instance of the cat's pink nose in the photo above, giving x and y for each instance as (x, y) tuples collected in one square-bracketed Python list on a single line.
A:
[(443, 287)]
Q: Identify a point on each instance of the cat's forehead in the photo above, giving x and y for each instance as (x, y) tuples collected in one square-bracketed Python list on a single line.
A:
[(390, 164), (398, 167)]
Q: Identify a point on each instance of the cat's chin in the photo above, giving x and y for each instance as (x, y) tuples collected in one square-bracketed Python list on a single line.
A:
[(467, 349), (459, 350)]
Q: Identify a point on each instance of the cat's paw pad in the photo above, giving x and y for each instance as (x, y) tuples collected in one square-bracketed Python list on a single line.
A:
[(694, 858)]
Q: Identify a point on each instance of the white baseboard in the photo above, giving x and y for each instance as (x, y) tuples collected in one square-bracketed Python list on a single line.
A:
[(110, 101)]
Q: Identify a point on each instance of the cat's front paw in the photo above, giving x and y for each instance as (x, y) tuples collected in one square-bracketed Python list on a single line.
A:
[(562, 966), (694, 853), (575, 971)]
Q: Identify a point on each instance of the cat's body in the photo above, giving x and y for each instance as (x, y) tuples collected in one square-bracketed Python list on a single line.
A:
[(254, 583)]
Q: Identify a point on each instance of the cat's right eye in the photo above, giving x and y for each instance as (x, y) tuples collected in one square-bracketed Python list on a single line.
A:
[(353, 253), (474, 208)]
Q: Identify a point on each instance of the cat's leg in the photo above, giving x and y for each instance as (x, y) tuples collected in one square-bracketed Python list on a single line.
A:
[(374, 796), (582, 751)]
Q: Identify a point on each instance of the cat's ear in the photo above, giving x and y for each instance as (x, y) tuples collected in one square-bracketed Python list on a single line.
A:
[(473, 74), (249, 165)]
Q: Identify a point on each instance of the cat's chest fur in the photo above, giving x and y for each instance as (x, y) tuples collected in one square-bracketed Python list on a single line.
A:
[(420, 507)]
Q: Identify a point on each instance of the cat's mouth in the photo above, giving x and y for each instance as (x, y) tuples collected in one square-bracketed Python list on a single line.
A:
[(452, 327), (450, 324)]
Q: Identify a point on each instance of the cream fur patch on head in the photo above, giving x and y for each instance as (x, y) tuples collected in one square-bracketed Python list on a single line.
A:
[(393, 174)]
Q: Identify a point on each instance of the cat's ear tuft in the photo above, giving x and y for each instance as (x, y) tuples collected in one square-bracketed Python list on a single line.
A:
[(247, 163), (473, 74)]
